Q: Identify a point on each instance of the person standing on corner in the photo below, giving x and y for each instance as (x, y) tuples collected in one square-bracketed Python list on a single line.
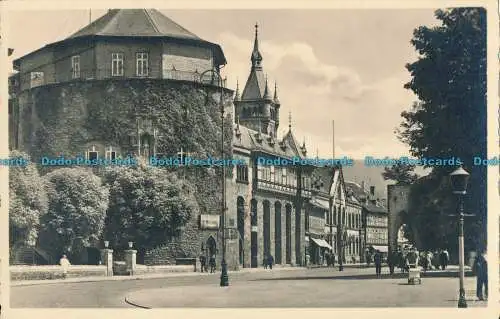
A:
[(377, 259), (64, 262), (480, 269)]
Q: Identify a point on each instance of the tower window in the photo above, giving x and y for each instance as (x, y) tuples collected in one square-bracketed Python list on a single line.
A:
[(75, 67), (117, 64), (142, 61)]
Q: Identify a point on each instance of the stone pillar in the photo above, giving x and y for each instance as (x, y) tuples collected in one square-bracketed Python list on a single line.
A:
[(247, 238), (292, 238), (107, 260), (260, 233), (130, 260), (302, 233), (272, 230), (283, 235)]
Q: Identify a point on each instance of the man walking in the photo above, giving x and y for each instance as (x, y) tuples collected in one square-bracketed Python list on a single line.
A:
[(480, 269), (377, 259), (270, 261), (212, 264), (391, 261)]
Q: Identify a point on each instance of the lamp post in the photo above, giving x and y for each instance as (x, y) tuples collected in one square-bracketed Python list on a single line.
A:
[(224, 278), (341, 234), (459, 179)]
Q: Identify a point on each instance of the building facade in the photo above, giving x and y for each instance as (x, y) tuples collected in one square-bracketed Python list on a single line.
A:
[(101, 93), (374, 221)]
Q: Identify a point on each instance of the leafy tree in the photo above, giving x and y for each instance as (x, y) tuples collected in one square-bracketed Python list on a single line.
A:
[(28, 202), (400, 173), (77, 209), (449, 121), (148, 206)]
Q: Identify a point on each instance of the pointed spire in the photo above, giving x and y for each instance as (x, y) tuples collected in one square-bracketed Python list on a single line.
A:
[(237, 93), (256, 56), (276, 99), (290, 121), (266, 96)]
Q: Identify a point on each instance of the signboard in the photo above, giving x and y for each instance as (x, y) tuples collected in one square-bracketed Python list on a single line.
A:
[(316, 225), (255, 229), (209, 222)]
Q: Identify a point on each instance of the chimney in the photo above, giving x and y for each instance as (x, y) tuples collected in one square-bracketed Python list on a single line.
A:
[(363, 186), (372, 191)]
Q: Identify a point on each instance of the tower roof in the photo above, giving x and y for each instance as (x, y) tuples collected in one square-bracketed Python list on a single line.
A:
[(135, 22), (256, 83)]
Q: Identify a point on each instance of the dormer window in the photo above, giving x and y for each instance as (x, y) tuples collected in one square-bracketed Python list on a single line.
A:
[(92, 154), (110, 154)]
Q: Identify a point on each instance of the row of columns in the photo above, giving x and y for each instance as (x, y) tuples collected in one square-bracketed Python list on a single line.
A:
[(263, 234)]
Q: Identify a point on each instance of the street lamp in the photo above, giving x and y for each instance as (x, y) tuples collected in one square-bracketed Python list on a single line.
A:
[(224, 278), (459, 179)]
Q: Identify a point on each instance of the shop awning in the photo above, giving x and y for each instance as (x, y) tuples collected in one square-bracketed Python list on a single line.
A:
[(321, 243), (382, 249)]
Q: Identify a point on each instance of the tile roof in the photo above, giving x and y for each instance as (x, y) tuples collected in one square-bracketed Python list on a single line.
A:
[(248, 140), (255, 86), (135, 22)]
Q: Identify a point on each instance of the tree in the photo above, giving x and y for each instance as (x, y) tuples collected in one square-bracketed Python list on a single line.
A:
[(77, 209), (148, 206), (28, 202), (449, 121), (400, 173)]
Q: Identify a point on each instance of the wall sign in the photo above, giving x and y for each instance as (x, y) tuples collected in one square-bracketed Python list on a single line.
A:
[(209, 222)]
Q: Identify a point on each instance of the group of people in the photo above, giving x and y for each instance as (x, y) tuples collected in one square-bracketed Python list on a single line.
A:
[(211, 263), (268, 262)]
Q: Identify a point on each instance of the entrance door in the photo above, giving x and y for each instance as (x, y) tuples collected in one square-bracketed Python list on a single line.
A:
[(211, 246)]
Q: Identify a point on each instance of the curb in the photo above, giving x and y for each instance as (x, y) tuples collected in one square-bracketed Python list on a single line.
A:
[(129, 278)]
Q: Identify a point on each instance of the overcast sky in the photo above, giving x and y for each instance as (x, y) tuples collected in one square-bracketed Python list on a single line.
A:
[(342, 65)]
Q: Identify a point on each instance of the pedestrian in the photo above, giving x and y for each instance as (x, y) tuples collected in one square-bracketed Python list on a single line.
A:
[(377, 259), (446, 258), (265, 262), (203, 263), (391, 262), (64, 262), (425, 261), (480, 269), (270, 261), (212, 264), (333, 260)]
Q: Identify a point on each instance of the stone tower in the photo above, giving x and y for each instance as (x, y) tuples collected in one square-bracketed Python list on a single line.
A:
[(256, 108)]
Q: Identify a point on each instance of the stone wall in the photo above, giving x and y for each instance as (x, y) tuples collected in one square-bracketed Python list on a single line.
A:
[(66, 118), (397, 203)]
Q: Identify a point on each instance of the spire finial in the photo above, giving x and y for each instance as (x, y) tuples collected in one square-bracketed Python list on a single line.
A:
[(290, 120), (276, 99), (267, 96), (256, 56), (237, 93)]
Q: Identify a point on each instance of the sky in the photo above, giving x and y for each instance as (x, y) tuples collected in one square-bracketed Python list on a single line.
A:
[(341, 65)]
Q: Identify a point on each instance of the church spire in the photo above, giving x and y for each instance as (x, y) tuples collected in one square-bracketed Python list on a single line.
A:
[(256, 56), (276, 99), (237, 93), (267, 96)]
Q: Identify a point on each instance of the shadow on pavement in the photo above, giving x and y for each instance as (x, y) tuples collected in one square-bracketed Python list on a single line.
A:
[(340, 276)]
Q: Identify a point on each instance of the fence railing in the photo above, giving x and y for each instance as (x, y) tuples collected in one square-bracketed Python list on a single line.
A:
[(35, 79)]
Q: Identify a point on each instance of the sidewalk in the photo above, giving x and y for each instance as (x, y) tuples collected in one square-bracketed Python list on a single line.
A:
[(141, 277)]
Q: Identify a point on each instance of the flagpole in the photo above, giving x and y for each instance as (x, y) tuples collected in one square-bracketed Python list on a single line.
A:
[(90, 16), (333, 138)]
